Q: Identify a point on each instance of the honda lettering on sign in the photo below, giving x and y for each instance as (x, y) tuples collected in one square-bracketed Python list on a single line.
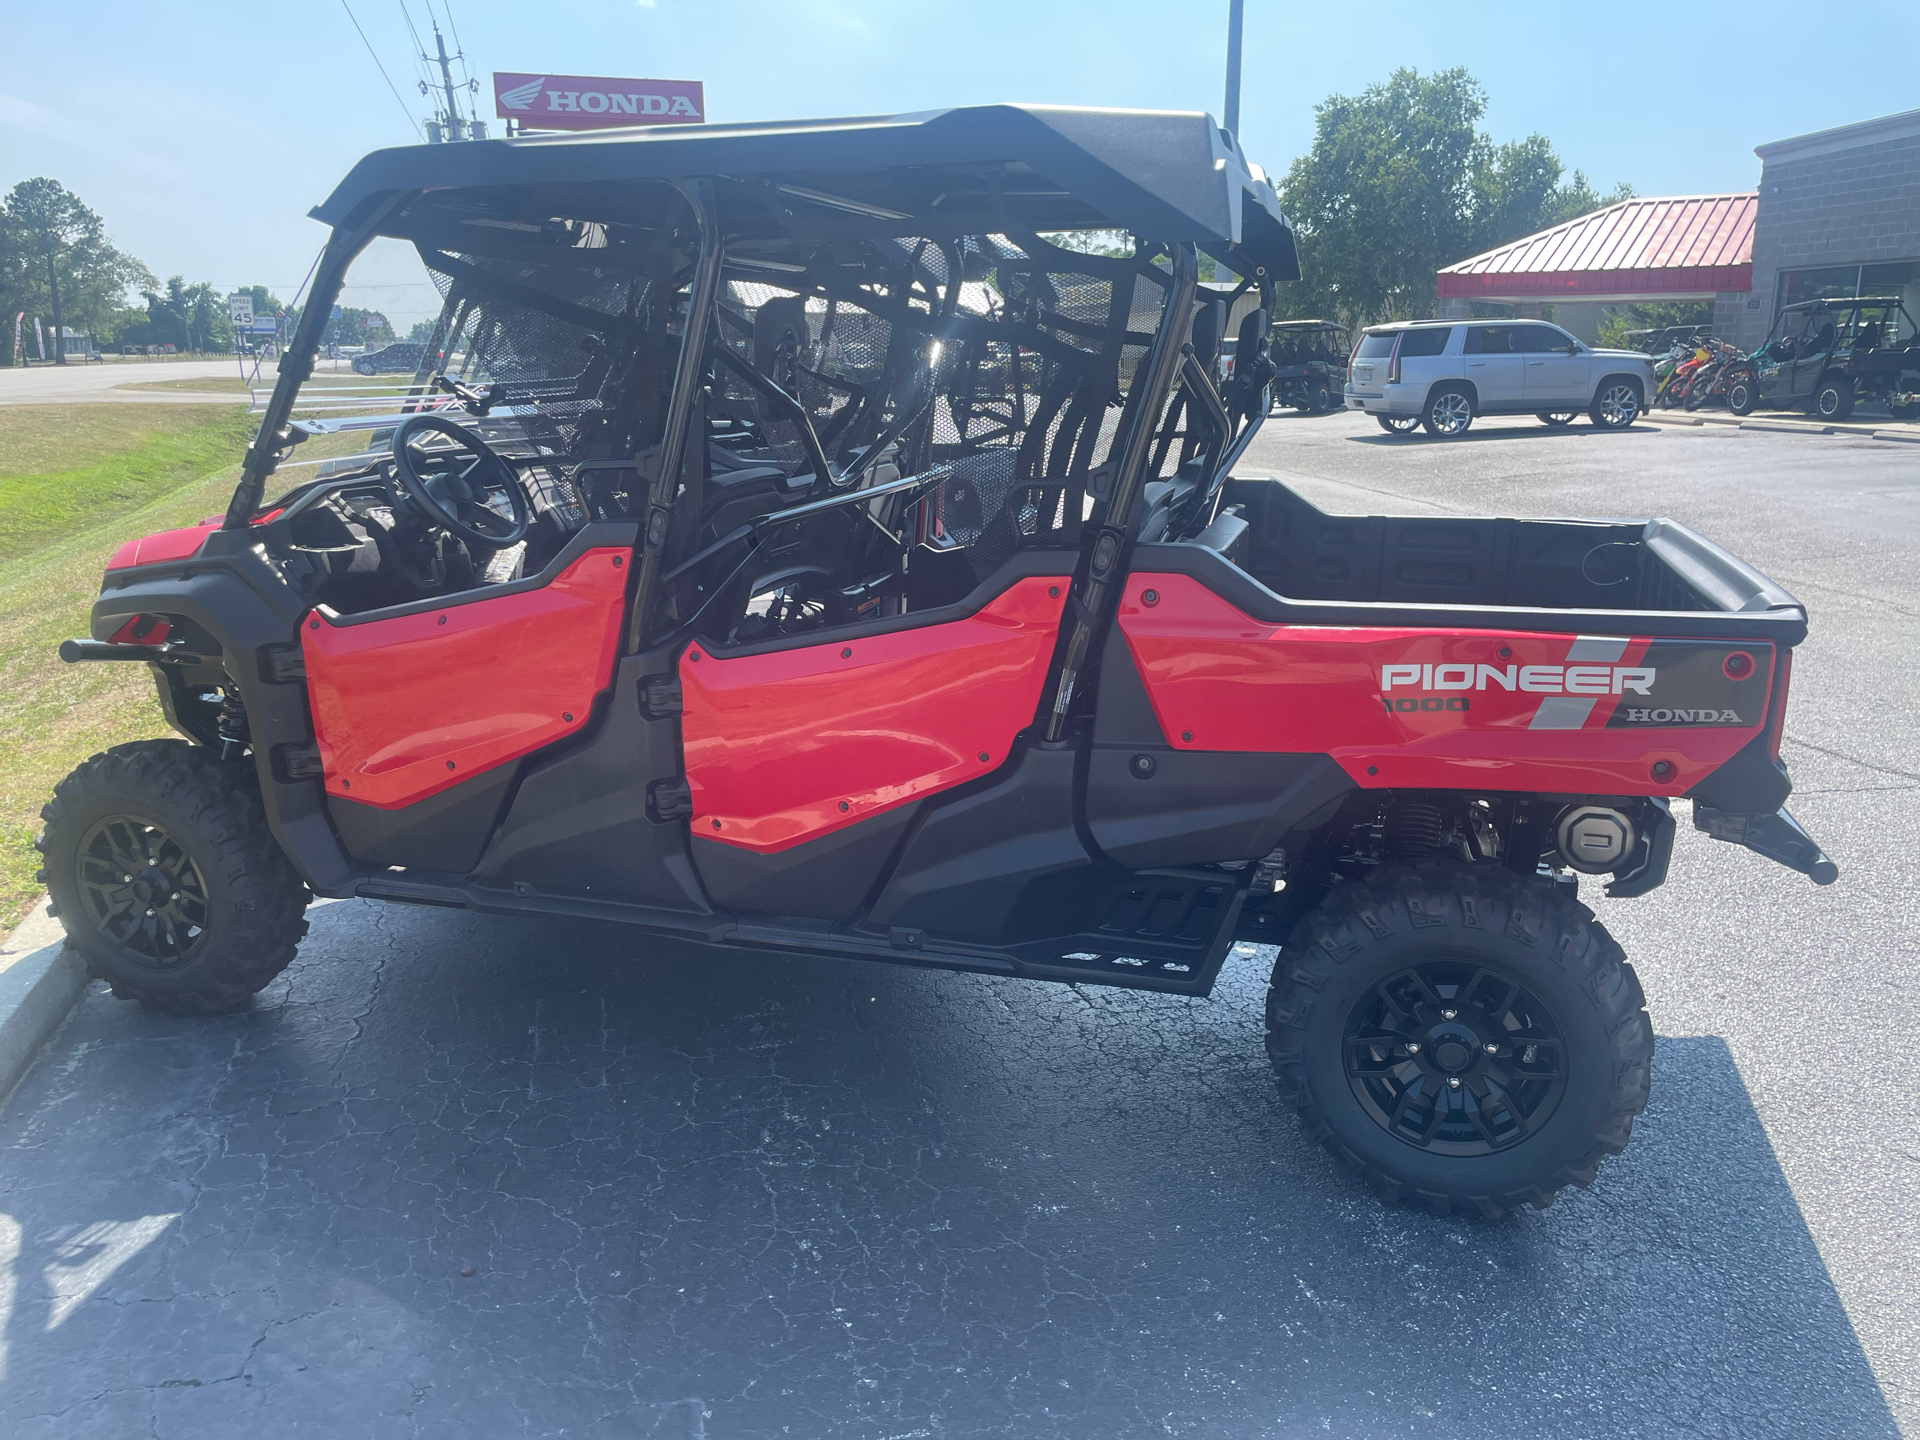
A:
[(594, 102)]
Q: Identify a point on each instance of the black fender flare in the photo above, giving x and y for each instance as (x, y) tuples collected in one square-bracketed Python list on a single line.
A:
[(230, 591)]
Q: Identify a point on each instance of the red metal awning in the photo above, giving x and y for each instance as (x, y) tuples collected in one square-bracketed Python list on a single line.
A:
[(1655, 249)]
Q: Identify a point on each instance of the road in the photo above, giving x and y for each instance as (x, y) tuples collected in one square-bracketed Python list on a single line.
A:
[(108, 382), (457, 1176)]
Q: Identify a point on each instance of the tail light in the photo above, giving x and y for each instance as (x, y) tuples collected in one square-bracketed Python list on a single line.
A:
[(1353, 355), (1393, 360), (1777, 703)]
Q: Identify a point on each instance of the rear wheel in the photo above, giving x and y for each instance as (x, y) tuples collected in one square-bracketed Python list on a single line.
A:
[(1461, 1037), (1449, 412), (1743, 393), (1398, 424), (168, 881), (1833, 398), (1616, 406), (1557, 418), (1319, 398)]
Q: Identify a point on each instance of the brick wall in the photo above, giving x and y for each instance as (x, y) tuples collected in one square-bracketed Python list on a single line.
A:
[(1853, 206)]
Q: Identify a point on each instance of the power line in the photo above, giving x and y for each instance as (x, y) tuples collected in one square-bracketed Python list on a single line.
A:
[(419, 48), (458, 43), (412, 124)]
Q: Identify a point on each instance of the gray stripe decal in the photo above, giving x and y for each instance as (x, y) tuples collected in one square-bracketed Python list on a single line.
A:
[(1562, 712), (1597, 647)]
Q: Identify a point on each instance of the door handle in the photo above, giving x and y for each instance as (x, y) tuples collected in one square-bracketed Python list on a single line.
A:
[(1477, 364), (1536, 362)]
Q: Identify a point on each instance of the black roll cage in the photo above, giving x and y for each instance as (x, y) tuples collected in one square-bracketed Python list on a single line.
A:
[(1105, 541)]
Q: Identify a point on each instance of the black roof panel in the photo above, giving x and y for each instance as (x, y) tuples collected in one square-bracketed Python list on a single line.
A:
[(1164, 175)]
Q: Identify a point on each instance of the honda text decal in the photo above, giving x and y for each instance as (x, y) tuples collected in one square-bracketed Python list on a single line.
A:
[(1666, 682), (594, 102)]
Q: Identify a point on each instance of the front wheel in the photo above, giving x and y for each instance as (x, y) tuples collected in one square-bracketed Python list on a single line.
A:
[(1558, 419), (1461, 1037), (1743, 392), (1449, 413), (1398, 424), (168, 881), (1616, 406)]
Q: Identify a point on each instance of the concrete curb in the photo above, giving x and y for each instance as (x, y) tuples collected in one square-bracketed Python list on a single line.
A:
[(40, 982), (1788, 427)]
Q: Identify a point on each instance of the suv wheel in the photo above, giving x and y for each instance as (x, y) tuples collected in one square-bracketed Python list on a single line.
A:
[(1834, 399), (1449, 412), (1398, 424), (1461, 1037), (1616, 406)]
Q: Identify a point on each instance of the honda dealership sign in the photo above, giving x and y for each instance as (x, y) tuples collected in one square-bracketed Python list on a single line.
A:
[(593, 102)]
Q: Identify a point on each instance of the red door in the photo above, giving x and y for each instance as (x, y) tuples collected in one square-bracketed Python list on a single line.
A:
[(405, 706), (791, 745)]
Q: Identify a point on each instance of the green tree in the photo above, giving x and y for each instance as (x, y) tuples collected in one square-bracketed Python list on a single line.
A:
[(194, 317), (1400, 181), (54, 254)]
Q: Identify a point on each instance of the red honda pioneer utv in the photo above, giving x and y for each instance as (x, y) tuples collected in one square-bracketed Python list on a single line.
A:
[(797, 544)]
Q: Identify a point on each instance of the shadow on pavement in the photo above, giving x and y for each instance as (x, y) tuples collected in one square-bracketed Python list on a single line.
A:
[(1481, 433), (707, 1196)]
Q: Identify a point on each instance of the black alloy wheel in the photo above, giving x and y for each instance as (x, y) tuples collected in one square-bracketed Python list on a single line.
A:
[(143, 891), (1455, 1058), (161, 866), (1833, 400), (1398, 424), (1558, 419), (1319, 399), (1462, 1037)]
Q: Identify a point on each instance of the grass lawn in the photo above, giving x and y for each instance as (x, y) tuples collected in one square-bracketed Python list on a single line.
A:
[(68, 468), (76, 481)]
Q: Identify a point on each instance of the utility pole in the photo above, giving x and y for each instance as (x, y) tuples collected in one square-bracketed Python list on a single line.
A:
[(1235, 14), (453, 111)]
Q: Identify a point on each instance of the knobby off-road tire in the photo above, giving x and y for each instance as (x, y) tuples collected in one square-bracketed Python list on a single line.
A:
[(1743, 392), (169, 883), (1529, 966), (1833, 398)]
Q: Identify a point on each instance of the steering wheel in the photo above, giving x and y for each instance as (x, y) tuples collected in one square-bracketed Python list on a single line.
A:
[(455, 499)]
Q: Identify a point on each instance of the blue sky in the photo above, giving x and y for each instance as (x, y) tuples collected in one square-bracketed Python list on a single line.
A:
[(202, 133)]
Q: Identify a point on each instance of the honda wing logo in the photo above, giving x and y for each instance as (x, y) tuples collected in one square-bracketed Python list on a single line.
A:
[(520, 97)]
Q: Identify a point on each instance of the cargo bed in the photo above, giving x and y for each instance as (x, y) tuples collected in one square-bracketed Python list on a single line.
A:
[(1298, 565)]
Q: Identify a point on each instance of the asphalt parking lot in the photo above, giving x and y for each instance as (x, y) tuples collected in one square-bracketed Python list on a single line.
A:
[(457, 1176)]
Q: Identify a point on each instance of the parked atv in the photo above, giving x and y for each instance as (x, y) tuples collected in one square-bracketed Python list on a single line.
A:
[(810, 556), (1310, 364), (1825, 356)]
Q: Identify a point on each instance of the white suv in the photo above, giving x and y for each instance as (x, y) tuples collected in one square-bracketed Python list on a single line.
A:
[(1441, 374)]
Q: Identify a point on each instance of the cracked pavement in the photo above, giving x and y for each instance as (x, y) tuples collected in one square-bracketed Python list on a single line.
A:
[(458, 1176)]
